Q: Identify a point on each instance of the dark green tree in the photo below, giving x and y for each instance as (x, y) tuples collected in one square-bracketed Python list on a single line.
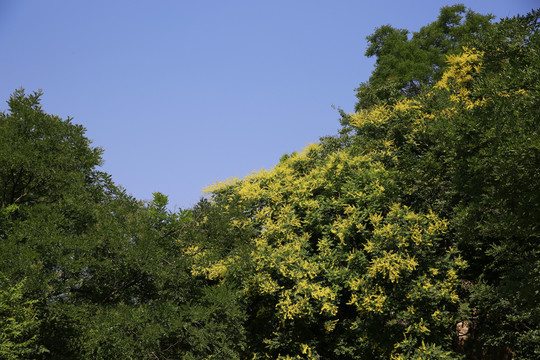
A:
[(105, 273)]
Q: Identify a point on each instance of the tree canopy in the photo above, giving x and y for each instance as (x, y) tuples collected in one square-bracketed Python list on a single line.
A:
[(411, 234), (418, 221), (408, 63), (86, 271)]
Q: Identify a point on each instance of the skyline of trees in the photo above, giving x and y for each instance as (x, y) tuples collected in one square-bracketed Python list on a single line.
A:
[(420, 215)]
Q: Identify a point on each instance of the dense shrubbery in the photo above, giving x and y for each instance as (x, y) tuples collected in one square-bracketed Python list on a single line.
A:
[(412, 234)]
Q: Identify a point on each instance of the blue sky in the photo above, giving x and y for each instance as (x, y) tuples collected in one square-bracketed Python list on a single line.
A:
[(181, 94)]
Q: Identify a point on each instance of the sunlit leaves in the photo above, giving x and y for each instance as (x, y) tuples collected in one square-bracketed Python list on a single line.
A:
[(329, 238)]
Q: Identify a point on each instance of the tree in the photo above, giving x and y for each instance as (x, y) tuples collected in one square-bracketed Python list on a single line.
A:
[(468, 148), (330, 256), (43, 158), (104, 272), (49, 191), (406, 64), (420, 217)]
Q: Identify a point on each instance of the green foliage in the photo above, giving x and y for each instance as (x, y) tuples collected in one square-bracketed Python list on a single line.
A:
[(405, 64), (475, 161), (420, 216), (330, 256), (105, 276), (42, 157), (18, 323), (419, 219)]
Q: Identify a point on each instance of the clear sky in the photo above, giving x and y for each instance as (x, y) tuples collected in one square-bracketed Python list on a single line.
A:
[(181, 94)]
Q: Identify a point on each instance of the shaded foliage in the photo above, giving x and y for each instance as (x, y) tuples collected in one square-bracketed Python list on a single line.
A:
[(103, 271)]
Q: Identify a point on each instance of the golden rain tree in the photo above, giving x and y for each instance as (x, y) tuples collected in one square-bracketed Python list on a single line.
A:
[(360, 246), (335, 258)]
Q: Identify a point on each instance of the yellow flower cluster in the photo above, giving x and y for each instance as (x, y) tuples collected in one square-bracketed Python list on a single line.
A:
[(390, 265), (461, 68)]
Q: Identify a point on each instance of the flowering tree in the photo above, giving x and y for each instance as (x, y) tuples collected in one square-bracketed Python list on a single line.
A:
[(364, 245)]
